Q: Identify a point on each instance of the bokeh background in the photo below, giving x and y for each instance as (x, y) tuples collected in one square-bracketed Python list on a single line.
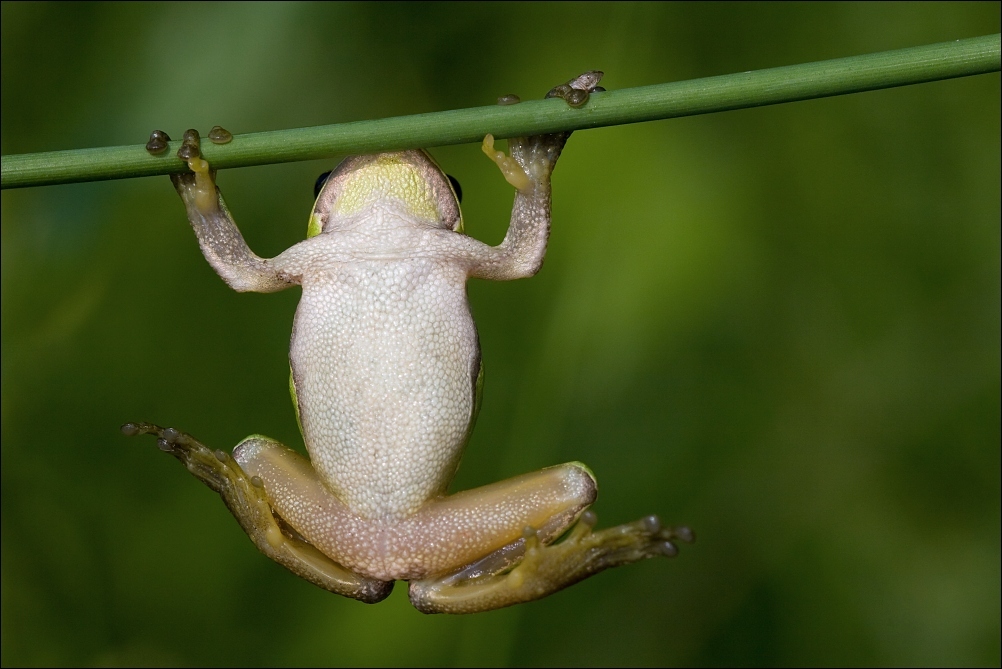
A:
[(780, 326)]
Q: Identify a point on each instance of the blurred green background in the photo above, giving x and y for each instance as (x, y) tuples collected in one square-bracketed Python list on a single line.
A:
[(780, 326)]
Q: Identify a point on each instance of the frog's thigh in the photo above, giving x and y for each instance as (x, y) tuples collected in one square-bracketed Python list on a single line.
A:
[(453, 532), (440, 537), (301, 499)]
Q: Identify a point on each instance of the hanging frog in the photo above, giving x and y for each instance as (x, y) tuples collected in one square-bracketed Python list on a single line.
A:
[(386, 382)]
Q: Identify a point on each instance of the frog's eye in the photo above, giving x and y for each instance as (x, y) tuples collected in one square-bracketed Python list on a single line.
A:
[(321, 180), (456, 187)]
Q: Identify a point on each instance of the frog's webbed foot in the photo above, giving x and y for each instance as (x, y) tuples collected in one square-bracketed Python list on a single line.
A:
[(533, 158), (246, 499), (493, 583)]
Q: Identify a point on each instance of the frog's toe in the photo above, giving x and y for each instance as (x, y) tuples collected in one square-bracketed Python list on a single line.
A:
[(159, 142), (577, 91), (215, 469), (220, 135), (641, 539)]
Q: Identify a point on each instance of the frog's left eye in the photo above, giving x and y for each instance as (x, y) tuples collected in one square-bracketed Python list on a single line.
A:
[(456, 187), (321, 180)]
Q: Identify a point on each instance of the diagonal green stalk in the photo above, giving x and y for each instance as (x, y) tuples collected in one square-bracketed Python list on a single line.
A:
[(977, 55)]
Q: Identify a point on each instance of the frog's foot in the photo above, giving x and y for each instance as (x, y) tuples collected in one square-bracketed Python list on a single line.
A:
[(533, 158), (245, 497), (492, 583), (198, 187)]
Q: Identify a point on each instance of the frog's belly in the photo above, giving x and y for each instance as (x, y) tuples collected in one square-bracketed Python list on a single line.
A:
[(385, 358)]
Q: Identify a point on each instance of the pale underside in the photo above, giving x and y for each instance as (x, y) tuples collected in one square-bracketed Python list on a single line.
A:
[(385, 359)]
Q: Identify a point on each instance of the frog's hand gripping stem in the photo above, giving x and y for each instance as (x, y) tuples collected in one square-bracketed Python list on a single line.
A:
[(246, 499), (220, 239), (528, 169), (489, 584)]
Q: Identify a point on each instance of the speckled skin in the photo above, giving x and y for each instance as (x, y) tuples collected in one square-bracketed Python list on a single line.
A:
[(385, 359), (442, 535), (385, 354)]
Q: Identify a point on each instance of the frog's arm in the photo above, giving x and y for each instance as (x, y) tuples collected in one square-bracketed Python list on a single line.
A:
[(221, 242), (521, 253), (528, 169)]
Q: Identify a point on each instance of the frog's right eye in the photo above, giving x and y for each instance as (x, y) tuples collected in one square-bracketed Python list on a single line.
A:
[(321, 180), (456, 187)]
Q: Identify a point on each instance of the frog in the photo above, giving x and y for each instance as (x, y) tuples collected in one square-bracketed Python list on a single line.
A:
[(387, 382)]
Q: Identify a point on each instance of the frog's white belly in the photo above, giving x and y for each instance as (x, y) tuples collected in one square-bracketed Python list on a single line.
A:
[(385, 358)]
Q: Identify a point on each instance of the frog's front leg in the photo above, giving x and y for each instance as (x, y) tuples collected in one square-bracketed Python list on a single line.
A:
[(528, 169), (218, 236), (246, 499)]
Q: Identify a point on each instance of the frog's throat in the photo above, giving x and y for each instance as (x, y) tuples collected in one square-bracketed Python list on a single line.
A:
[(382, 179)]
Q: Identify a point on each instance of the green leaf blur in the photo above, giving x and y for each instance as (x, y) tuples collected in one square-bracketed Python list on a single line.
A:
[(780, 326)]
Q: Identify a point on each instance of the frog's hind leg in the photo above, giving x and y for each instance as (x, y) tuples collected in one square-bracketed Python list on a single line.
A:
[(245, 497), (493, 582), (466, 552), (441, 536)]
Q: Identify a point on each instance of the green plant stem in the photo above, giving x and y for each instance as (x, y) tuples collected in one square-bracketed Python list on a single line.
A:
[(887, 69)]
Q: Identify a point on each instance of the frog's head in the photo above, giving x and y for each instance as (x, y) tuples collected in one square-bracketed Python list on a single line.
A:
[(409, 182)]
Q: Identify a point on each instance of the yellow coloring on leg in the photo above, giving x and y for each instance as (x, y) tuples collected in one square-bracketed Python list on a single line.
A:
[(512, 171), (205, 196)]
